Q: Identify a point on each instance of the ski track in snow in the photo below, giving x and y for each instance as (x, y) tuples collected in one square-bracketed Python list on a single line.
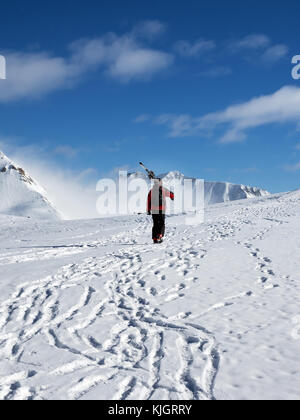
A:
[(146, 355), (138, 338), (59, 251)]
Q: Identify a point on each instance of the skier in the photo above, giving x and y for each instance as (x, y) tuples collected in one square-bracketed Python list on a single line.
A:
[(157, 207)]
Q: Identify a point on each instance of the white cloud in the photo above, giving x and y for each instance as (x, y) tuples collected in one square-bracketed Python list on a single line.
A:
[(149, 29), (139, 63), (250, 42), (35, 74), (179, 125), (124, 58), (283, 106), (275, 53), (187, 49), (142, 118), (261, 46)]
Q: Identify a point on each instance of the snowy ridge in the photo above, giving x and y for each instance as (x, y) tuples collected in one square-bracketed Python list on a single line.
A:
[(21, 195), (221, 192), (215, 192)]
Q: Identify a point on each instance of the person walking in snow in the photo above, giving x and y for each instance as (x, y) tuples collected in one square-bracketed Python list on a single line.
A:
[(156, 207)]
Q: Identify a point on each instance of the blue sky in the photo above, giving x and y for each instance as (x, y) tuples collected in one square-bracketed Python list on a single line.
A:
[(93, 86)]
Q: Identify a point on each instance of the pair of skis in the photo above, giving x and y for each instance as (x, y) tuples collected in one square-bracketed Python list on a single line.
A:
[(150, 174)]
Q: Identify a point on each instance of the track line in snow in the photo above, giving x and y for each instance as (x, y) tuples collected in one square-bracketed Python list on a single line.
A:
[(137, 340)]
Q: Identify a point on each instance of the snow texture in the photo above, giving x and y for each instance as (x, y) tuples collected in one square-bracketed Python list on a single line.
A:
[(92, 310)]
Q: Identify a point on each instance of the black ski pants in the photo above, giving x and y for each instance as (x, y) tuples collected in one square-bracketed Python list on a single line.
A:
[(159, 225)]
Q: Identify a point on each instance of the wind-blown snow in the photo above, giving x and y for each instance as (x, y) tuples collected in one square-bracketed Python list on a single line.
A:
[(20, 195), (92, 310)]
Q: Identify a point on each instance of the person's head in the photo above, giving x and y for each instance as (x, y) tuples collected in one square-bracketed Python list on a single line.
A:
[(158, 182)]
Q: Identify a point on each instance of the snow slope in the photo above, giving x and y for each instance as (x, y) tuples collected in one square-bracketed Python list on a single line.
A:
[(20, 195), (215, 192), (92, 310)]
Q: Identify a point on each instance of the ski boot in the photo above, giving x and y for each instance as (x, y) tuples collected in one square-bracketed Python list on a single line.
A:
[(160, 239)]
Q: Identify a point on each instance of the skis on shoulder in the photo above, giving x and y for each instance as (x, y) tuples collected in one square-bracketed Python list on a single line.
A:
[(150, 174)]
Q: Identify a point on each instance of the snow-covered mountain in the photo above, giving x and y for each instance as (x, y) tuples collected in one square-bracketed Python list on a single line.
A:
[(215, 192), (220, 192), (20, 195)]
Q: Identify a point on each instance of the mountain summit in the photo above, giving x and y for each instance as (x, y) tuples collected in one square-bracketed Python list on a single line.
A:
[(20, 195)]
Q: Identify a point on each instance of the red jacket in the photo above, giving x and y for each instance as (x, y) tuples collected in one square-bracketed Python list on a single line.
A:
[(157, 199)]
